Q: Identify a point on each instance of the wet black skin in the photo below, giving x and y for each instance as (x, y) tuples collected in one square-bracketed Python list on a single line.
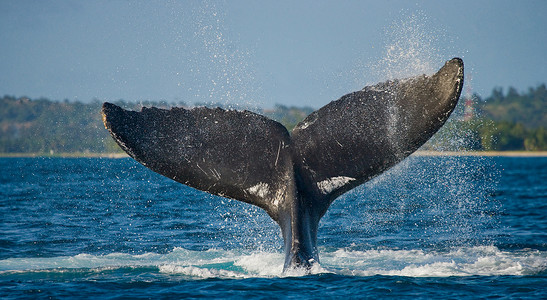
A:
[(294, 178)]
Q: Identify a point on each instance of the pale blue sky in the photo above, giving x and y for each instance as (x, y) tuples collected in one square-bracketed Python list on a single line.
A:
[(260, 53)]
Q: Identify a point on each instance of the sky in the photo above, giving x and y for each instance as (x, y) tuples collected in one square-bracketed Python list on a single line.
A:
[(261, 53)]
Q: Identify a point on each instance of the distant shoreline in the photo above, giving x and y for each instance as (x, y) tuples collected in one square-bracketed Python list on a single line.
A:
[(66, 155), (417, 153), (483, 153)]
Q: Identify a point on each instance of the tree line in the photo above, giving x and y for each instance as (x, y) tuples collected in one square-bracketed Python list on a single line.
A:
[(503, 121)]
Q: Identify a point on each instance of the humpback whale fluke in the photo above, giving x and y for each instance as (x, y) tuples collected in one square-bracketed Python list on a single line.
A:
[(294, 178)]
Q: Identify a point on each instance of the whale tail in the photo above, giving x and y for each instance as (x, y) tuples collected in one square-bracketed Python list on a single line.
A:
[(294, 178)]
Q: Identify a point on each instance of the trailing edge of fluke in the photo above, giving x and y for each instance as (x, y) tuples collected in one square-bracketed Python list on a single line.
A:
[(294, 178)]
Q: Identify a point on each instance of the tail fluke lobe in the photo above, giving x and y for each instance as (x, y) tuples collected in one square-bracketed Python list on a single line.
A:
[(236, 154), (351, 140)]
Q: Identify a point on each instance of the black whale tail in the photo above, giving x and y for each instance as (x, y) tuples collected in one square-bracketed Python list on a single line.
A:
[(250, 158)]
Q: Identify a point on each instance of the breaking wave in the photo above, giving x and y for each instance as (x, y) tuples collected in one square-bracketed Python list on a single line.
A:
[(233, 264)]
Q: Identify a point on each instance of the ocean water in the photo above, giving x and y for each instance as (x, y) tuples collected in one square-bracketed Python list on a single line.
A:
[(432, 227)]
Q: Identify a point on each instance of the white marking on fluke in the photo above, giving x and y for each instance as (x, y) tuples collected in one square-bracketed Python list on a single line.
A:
[(328, 185), (260, 190), (278, 196)]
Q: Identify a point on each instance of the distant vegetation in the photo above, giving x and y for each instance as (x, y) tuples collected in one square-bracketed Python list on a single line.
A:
[(502, 121)]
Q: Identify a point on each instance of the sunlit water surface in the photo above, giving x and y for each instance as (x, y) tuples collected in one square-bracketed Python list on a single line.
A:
[(432, 227)]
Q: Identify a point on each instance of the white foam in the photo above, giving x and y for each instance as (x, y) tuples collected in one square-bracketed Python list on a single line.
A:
[(215, 263), (482, 261), (262, 263), (197, 272)]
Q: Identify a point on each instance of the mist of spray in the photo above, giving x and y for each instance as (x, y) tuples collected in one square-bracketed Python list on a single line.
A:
[(220, 70), (446, 200), (412, 47)]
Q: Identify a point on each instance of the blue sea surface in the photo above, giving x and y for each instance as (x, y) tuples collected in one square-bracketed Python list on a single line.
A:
[(447, 227)]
